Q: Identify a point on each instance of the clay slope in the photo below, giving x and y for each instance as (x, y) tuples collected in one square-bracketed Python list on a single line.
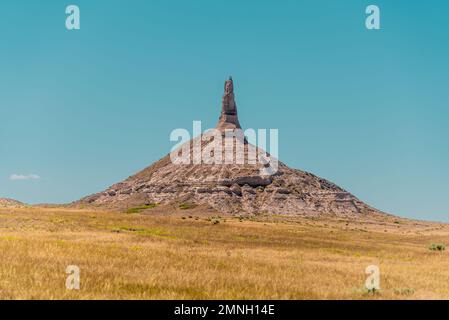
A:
[(231, 188)]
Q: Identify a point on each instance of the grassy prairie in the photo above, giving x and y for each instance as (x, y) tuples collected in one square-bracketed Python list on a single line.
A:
[(186, 254)]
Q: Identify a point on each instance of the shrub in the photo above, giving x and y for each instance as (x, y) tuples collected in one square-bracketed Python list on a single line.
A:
[(186, 206), (437, 247)]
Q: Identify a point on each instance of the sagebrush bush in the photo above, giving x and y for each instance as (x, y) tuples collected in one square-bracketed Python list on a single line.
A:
[(437, 247)]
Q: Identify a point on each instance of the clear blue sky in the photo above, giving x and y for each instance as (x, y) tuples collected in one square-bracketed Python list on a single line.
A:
[(368, 110)]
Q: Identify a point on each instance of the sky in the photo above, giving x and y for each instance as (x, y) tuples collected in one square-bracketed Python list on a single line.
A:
[(366, 109)]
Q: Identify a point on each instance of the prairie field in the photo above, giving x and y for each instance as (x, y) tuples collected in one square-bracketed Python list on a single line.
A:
[(190, 253)]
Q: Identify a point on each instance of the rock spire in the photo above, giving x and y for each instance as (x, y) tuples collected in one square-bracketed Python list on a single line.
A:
[(228, 118)]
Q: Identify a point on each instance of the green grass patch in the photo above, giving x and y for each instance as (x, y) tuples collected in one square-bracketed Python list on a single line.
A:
[(187, 206), (10, 238), (141, 208)]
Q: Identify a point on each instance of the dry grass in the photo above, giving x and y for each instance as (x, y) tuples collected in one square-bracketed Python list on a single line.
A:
[(187, 255)]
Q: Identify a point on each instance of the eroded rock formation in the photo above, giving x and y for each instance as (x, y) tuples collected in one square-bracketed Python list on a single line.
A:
[(228, 118), (231, 188)]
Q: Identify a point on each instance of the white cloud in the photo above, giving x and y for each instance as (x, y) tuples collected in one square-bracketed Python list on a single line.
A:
[(15, 177)]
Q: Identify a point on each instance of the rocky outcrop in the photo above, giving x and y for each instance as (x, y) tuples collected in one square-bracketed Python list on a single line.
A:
[(10, 203), (243, 190), (231, 188), (228, 118)]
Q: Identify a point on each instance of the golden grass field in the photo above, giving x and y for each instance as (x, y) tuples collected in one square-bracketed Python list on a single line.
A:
[(186, 254)]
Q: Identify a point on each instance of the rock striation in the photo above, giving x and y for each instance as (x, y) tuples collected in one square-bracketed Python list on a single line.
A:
[(228, 118)]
